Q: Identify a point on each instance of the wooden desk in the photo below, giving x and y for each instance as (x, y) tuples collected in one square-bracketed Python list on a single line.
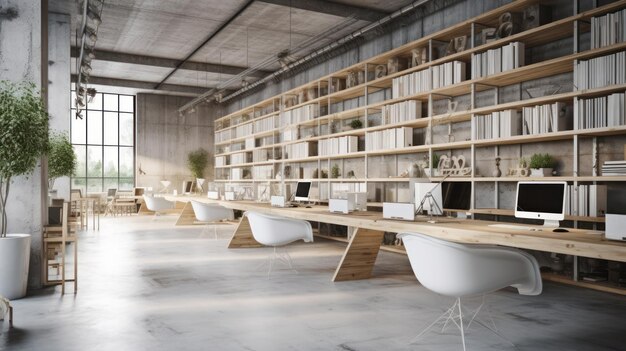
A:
[(360, 255)]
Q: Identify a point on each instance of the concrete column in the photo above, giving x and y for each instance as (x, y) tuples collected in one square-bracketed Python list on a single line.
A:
[(59, 32), (21, 60)]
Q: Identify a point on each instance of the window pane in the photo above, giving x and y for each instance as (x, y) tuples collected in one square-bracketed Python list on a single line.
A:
[(110, 161), (94, 185), (79, 183), (126, 184), (127, 103), (94, 127), (94, 161), (110, 102), (81, 160), (126, 129), (110, 183), (127, 168), (110, 128), (96, 102), (78, 129)]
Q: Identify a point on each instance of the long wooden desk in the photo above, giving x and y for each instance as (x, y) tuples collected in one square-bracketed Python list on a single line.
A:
[(363, 247)]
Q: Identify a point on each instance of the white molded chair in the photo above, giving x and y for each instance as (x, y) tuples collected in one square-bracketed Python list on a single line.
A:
[(158, 204), (278, 231), (459, 270), (211, 213)]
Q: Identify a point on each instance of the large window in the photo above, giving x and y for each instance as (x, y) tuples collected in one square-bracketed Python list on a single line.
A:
[(104, 143)]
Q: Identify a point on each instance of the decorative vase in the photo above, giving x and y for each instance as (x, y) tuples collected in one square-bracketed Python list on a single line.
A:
[(414, 171), (497, 172), (14, 259)]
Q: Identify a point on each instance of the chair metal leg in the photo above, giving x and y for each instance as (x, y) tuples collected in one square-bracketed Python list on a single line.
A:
[(458, 300)]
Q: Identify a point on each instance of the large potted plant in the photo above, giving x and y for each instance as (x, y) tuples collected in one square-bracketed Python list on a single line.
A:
[(23, 140), (197, 161), (61, 159), (541, 165)]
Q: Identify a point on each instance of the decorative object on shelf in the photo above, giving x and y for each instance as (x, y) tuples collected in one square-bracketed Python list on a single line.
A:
[(315, 174), (414, 170), (324, 174), (541, 165), (522, 169), (351, 80), (246, 174), (287, 172), (360, 77), (396, 64), (488, 35), (380, 71), (453, 166), (419, 56), (510, 23), (197, 161), (279, 176), (457, 44), (497, 172), (431, 169), (535, 16), (336, 84), (334, 171), (350, 174), (452, 106), (165, 186), (301, 96), (356, 123)]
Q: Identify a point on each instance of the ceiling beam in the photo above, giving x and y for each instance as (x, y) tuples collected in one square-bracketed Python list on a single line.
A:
[(136, 84), (121, 57), (332, 8)]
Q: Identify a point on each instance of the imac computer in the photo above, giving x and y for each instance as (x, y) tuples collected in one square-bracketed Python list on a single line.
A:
[(302, 191), (541, 200)]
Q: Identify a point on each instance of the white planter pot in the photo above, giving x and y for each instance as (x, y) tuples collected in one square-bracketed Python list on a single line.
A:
[(14, 259), (541, 172)]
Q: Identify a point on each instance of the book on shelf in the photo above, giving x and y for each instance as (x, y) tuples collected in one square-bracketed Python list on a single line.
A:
[(261, 155), (608, 29), (600, 112), (586, 200), (600, 71), (290, 134), (614, 168), (263, 172), (264, 125), (494, 61), (250, 143), (238, 158), (547, 118), (402, 111), (300, 114), (438, 76), (301, 150), (392, 138), (223, 135), (498, 124), (220, 161), (243, 130), (338, 146)]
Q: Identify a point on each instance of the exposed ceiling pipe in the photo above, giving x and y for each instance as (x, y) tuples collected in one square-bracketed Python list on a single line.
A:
[(321, 51)]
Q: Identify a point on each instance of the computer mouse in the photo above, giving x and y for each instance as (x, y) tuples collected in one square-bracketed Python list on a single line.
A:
[(308, 207), (560, 230)]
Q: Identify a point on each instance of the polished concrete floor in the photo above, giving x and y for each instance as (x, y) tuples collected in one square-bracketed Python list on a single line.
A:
[(147, 285)]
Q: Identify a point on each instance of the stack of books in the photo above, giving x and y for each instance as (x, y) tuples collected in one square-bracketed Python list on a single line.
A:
[(243, 130), (600, 112), (608, 29), (338, 146), (389, 139), (499, 124), (498, 60), (546, 119), (301, 150), (600, 72), (614, 168), (402, 111), (438, 76), (265, 124)]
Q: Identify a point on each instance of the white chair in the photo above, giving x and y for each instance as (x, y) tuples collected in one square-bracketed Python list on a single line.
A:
[(158, 205), (211, 213), (458, 270), (278, 231)]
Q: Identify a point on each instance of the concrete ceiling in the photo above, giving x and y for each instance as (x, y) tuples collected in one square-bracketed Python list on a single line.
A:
[(143, 41)]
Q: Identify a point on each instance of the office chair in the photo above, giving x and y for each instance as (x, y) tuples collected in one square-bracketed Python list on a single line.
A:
[(459, 270), (277, 232), (158, 205), (212, 214)]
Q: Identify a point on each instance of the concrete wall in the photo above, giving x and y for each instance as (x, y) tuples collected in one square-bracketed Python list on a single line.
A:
[(164, 139), (20, 60), (59, 32)]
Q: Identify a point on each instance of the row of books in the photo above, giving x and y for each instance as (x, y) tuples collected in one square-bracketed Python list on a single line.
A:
[(243, 130), (236, 173), (265, 124), (338, 146), (608, 29), (614, 168), (402, 111), (220, 161), (290, 134), (499, 124), (585, 200), (498, 60), (300, 114), (547, 118), (600, 71), (301, 150), (239, 158), (261, 155), (263, 172), (250, 143), (223, 135), (438, 76), (389, 139), (600, 112)]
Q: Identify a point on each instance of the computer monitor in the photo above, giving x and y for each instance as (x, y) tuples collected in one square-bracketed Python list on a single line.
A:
[(187, 187), (456, 195), (302, 191), (541, 200), (432, 203)]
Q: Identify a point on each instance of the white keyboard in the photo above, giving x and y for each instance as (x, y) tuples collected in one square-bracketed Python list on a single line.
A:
[(513, 226)]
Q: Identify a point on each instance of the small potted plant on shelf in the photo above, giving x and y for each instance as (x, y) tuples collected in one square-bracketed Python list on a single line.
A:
[(23, 140), (197, 161), (334, 171), (541, 165), (433, 170), (356, 123), (61, 160)]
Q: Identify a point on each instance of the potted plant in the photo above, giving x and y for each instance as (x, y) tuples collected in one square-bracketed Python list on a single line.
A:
[(334, 171), (23, 140), (356, 123), (197, 161), (433, 170), (61, 160), (541, 165)]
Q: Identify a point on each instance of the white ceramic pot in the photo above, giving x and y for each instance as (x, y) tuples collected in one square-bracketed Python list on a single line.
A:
[(14, 260), (541, 172)]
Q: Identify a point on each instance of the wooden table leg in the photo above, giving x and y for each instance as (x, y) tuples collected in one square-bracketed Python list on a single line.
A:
[(143, 210), (10, 316), (360, 255), (242, 238), (187, 216)]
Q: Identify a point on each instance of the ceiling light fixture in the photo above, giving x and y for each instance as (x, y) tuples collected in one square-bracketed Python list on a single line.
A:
[(87, 35)]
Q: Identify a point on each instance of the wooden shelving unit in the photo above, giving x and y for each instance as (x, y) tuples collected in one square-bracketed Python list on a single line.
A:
[(377, 171)]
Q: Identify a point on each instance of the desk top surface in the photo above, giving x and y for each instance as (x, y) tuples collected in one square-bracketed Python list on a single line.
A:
[(580, 242)]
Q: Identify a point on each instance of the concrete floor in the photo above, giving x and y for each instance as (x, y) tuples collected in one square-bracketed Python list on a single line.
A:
[(148, 285)]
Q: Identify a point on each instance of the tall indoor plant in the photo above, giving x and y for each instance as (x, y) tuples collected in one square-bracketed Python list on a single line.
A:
[(61, 158), (23, 140), (197, 162)]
